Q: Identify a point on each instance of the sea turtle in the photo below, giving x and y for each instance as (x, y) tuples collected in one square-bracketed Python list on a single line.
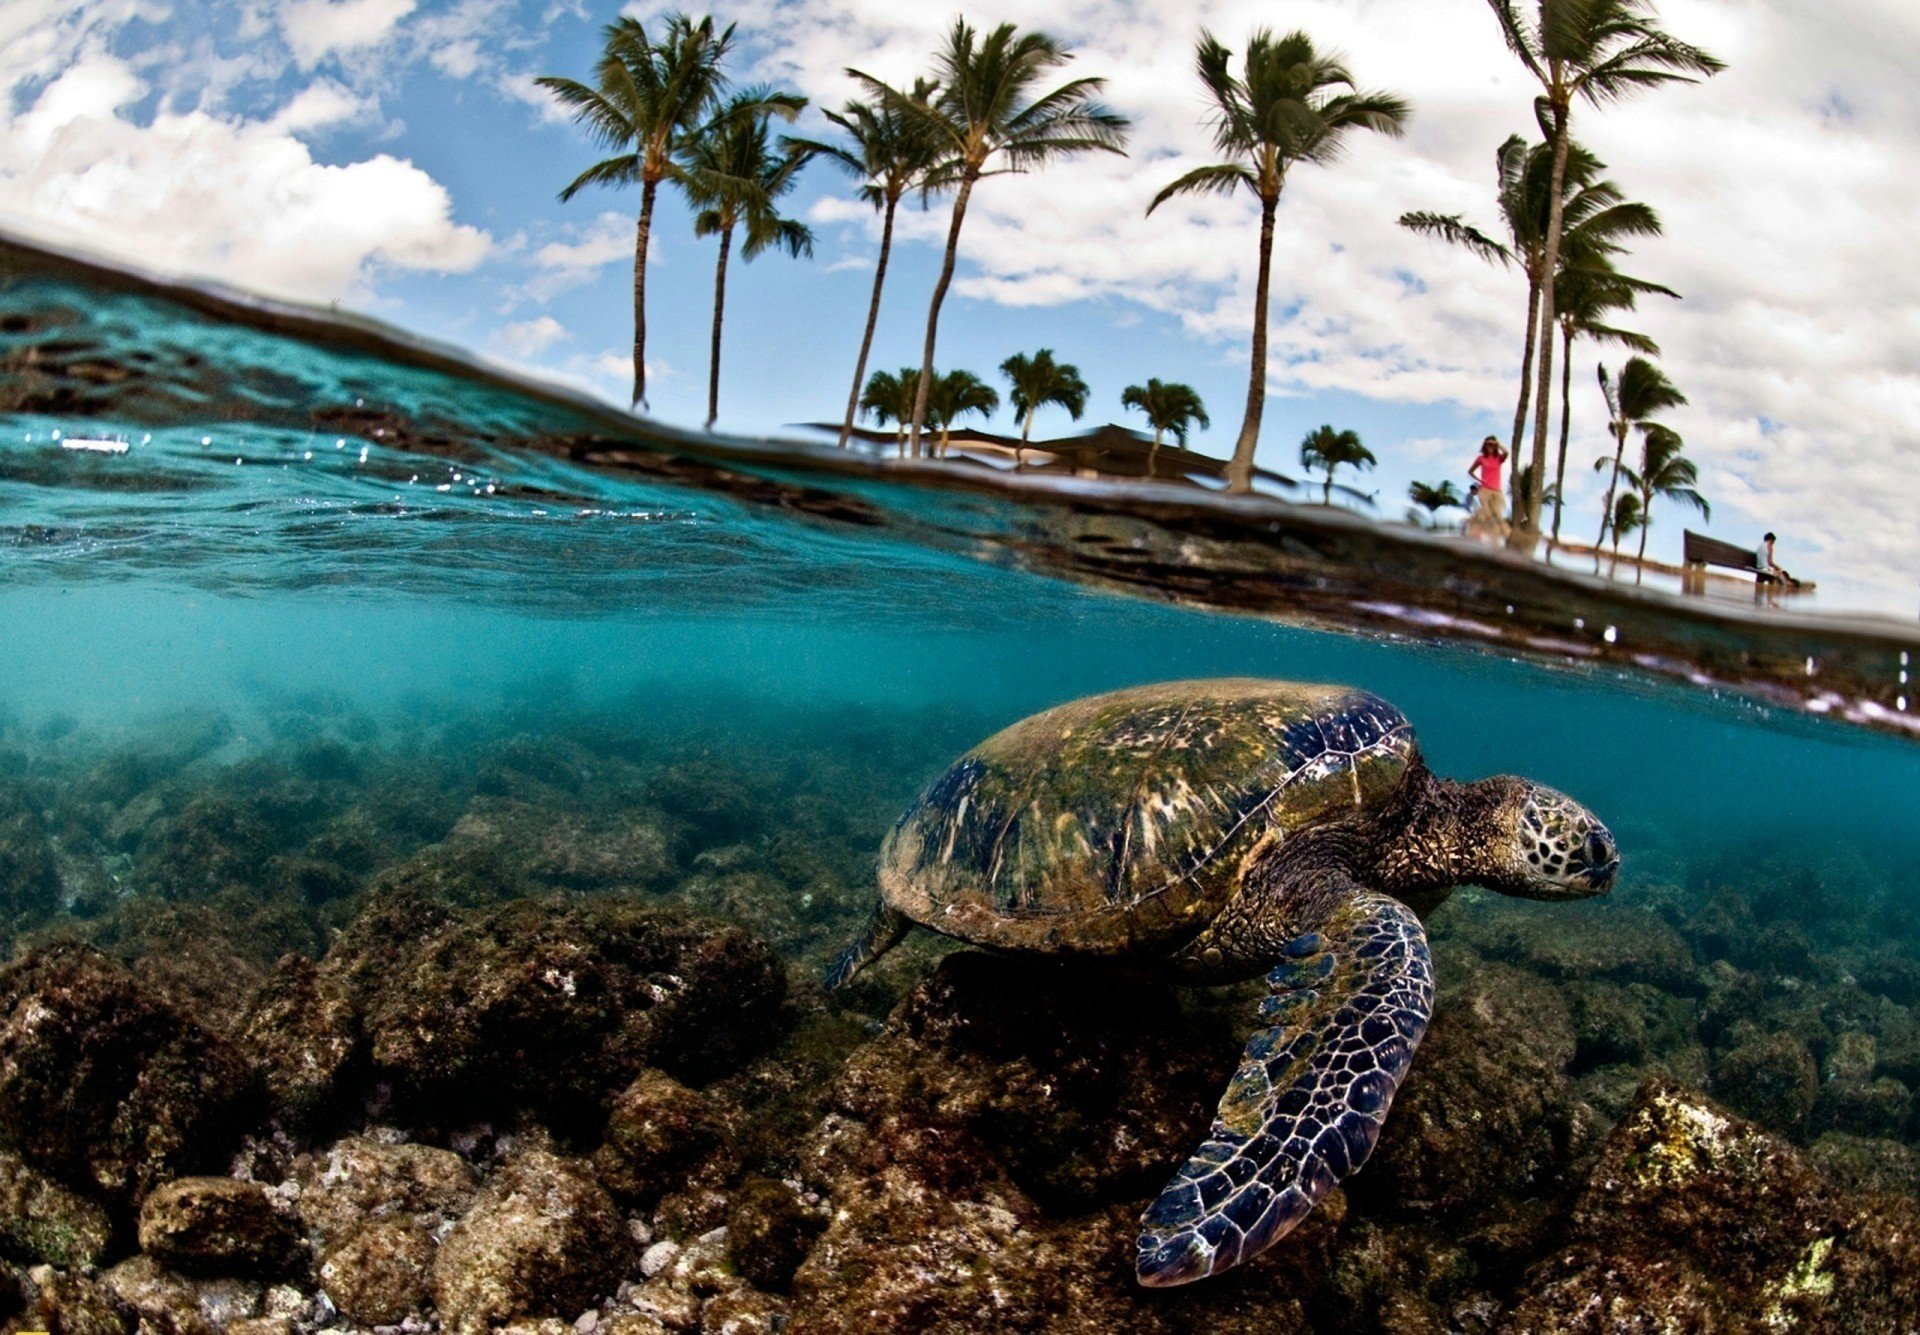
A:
[(1219, 830)]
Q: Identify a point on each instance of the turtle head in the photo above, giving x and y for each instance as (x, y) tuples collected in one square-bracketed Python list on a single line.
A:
[(1549, 846)]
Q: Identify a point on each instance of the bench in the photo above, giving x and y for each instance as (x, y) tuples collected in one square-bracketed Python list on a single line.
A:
[(1698, 551)]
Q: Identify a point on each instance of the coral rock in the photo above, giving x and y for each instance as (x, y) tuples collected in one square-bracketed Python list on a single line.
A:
[(382, 1273), (658, 1131), (217, 1225), (42, 1221), (358, 1181)]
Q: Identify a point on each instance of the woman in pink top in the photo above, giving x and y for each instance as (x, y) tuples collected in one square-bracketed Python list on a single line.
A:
[(1489, 518)]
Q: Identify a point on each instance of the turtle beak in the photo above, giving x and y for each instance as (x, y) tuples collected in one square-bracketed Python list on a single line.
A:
[(1600, 859)]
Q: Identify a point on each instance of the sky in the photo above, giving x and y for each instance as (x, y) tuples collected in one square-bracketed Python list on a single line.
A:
[(394, 157)]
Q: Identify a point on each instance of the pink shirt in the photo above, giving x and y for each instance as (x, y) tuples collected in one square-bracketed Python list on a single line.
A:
[(1486, 471)]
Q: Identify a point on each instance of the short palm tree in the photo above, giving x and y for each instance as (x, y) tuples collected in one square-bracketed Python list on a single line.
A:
[(955, 394), (648, 99), (1433, 498), (734, 179), (984, 111), (889, 397), (1039, 380), (1291, 103), (1597, 219), (1641, 391), (1585, 297), (1323, 447), (1169, 406), (1622, 519), (1599, 51), (891, 154), (1664, 471)]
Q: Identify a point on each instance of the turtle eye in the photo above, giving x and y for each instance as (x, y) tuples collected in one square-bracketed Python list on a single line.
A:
[(1599, 849)]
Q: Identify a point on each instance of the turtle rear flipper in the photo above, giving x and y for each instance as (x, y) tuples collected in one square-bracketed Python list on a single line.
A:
[(1305, 1108), (882, 933)]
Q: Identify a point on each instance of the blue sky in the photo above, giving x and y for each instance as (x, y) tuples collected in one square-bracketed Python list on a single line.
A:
[(392, 156)]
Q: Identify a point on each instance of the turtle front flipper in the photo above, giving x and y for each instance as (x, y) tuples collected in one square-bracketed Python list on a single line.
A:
[(882, 933), (1348, 1007)]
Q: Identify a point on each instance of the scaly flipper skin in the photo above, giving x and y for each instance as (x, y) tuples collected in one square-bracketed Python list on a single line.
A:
[(881, 934), (1348, 1007)]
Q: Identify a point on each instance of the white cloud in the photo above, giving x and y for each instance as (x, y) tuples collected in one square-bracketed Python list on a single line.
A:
[(525, 338), (236, 199), (315, 29), (564, 265)]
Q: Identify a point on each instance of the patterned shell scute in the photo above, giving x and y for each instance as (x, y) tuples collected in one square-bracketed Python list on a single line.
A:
[(1125, 820)]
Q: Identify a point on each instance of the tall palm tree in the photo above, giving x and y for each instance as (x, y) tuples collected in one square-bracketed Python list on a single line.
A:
[(1169, 406), (1585, 296), (1597, 219), (984, 110), (1664, 471), (1323, 447), (889, 397), (954, 394), (648, 98), (1292, 103), (1641, 391), (734, 178), (891, 154), (1434, 498), (1599, 51), (1038, 380)]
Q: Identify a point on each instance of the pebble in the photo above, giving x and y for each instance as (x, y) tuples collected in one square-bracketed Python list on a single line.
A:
[(658, 1257)]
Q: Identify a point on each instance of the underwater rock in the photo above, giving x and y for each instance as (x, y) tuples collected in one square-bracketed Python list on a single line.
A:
[(1867, 1163), (554, 1004), (383, 1272), (214, 842), (106, 1083), (543, 1239), (1612, 942), (218, 1226), (42, 1221), (1694, 1219), (657, 1133), (168, 1301), (303, 1033), (1864, 1107), (29, 871), (69, 1303), (359, 1181), (1492, 1071), (770, 1230), (1772, 1080), (566, 849)]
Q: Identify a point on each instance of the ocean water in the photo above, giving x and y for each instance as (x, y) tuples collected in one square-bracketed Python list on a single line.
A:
[(282, 603)]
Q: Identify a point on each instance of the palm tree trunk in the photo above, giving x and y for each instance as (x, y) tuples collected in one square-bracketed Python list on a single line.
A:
[(1613, 482), (1524, 534), (1026, 424), (719, 311), (647, 191), (1240, 468), (1566, 415), (933, 311), (1153, 452), (1326, 497), (1646, 522), (873, 318), (1526, 388)]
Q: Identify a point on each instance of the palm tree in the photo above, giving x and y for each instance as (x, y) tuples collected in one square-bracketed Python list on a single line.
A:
[(1664, 471), (1596, 219), (734, 179), (983, 108), (1433, 498), (1292, 103), (1037, 380), (648, 100), (1585, 296), (889, 397), (1625, 516), (1641, 391), (1599, 50), (1323, 447), (890, 153), (1169, 406), (956, 393)]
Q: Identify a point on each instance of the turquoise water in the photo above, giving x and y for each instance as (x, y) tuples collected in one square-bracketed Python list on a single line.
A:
[(289, 612)]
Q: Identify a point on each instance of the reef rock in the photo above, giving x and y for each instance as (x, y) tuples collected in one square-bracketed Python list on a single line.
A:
[(42, 1221), (1695, 1219), (29, 871), (218, 1226), (658, 1132), (543, 1239), (106, 1083), (383, 1272), (359, 1181), (303, 1032)]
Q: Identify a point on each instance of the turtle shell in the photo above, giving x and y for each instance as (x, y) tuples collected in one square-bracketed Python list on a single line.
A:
[(1123, 822)]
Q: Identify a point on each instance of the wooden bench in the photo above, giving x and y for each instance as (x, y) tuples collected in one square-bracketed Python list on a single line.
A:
[(1698, 551)]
